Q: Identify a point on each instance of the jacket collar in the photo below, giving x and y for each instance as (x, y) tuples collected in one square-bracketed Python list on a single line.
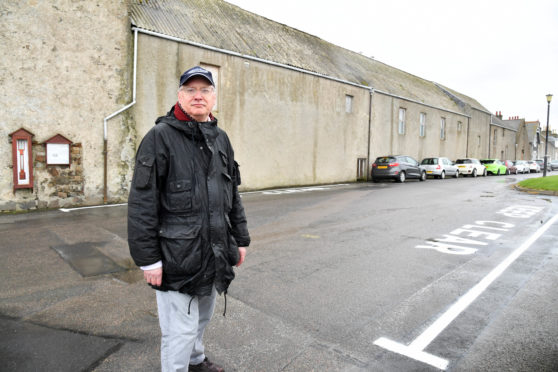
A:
[(190, 126)]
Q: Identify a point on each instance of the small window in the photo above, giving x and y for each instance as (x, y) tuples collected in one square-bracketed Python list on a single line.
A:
[(402, 121), (443, 129), (478, 141), (348, 103), (459, 126), (422, 126)]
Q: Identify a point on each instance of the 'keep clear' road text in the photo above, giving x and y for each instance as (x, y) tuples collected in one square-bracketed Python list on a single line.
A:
[(459, 240)]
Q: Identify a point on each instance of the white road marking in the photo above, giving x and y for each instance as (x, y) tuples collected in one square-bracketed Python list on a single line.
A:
[(93, 206), (415, 349), (267, 192), (295, 190)]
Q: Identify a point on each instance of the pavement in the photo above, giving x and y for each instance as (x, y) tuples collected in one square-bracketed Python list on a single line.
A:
[(83, 311)]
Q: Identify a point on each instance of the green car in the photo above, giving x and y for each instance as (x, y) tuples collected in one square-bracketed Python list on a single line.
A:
[(494, 166)]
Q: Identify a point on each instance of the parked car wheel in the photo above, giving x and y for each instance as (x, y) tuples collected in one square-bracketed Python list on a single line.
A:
[(423, 176), (442, 175), (474, 172), (375, 180), (498, 173), (484, 173), (508, 172), (456, 174), (401, 177)]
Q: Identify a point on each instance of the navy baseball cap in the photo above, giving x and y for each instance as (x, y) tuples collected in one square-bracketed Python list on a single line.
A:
[(196, 71)]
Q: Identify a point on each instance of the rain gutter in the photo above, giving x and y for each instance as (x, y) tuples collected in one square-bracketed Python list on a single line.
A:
[(105, 126)]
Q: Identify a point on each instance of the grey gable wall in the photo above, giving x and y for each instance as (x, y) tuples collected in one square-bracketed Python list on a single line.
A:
[(224, 27)]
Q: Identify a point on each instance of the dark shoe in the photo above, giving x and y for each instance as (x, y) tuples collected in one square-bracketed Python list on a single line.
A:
[(205, 366)]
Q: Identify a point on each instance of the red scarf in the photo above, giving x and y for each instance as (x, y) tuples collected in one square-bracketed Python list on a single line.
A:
[(182, 116)]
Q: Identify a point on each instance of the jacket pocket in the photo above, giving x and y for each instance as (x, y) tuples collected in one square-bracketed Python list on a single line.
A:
[(182, 249), (179, 195), (144, 168)]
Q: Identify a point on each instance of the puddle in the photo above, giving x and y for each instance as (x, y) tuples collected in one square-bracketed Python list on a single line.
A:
[(87, 260)]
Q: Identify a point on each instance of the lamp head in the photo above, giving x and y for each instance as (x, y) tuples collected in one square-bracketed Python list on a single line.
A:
[(548, 98)]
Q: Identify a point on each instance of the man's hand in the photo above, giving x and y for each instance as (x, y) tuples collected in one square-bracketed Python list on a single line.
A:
[(154, 276), (242, 252)]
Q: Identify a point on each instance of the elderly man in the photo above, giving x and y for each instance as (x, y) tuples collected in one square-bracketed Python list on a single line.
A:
[(186, 223)]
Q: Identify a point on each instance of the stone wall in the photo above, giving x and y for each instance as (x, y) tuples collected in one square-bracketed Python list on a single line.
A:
[(60, 186), (66, 64)]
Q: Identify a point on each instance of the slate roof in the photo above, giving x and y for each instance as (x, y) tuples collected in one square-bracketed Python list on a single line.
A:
[(508, 124), (219, 24)]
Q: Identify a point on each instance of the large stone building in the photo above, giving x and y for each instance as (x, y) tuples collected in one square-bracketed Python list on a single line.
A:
[(508, 139), (86, 80)]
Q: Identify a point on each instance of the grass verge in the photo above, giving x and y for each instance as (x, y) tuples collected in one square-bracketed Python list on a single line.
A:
[(542, 183)]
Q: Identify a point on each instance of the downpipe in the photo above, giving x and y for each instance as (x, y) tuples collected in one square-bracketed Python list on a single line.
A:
[(105, 126)]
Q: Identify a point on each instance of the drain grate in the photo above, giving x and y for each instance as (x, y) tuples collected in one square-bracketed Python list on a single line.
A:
[(87, 260)]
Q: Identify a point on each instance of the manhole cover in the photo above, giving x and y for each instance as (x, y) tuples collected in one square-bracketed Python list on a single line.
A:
[(87, 260)]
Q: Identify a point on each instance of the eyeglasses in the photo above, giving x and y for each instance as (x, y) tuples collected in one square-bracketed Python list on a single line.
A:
[(191, 92)]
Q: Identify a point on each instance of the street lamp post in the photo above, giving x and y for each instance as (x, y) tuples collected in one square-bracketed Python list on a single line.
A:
[(548, 99)]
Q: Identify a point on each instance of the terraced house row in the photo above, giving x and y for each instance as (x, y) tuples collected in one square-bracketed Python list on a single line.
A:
[(86, 80)]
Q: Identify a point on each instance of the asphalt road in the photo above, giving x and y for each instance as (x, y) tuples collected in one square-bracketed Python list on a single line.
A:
[(455, 274)]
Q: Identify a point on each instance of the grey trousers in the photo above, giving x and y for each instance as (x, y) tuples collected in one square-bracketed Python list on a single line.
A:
[(182, 333)]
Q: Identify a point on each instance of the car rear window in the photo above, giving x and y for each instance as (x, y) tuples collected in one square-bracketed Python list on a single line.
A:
[(385, 159), (487, 161), (430, 161), (463, 161)]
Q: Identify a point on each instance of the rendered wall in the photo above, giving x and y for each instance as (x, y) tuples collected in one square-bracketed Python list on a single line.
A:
[(502, 143), (386, 139), (287, 128), (65, 66), (479, 127)]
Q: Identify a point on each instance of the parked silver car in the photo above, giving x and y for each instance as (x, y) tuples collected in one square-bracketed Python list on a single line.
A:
[(554, 164), (439, 167), (471, 166), (533, 166), (521, 166), (540, 162)]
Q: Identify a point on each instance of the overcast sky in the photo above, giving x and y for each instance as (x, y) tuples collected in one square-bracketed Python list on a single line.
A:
[(503, 53)]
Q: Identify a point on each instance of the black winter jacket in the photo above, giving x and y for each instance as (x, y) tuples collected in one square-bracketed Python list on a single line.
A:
[(184, 207)]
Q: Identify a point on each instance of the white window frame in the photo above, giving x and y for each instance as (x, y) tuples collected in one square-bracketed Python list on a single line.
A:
[(422, 124), (402, 114), (348, 103), (443, 129)]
